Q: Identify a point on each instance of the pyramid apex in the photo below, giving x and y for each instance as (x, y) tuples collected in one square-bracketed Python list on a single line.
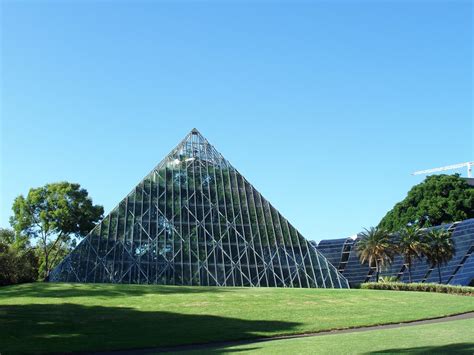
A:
[(193, 195)]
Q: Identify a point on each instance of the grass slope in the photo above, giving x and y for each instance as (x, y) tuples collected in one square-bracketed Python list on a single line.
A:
[(72, 317), (454, 337)]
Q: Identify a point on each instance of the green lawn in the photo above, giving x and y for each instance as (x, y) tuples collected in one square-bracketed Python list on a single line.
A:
[(71, 317), (454, 337)]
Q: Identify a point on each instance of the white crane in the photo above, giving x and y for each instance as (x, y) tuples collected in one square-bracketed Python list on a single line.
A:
[(468, 165)]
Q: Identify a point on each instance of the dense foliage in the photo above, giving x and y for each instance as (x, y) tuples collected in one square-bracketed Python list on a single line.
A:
[(437, 200), (54, 215), (423, 287), (18, 261)]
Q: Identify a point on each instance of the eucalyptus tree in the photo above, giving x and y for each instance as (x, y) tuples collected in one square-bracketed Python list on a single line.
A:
[(54, 215), (438, 248), (375, 248)]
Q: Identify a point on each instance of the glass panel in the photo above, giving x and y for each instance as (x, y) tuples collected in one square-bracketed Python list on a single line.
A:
[(194, 220)]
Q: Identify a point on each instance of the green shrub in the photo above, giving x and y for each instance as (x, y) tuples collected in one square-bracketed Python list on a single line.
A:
[(422, 287), (388, 279)]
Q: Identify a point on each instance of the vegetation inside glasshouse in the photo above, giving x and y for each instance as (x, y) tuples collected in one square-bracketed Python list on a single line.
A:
[(194, 243)]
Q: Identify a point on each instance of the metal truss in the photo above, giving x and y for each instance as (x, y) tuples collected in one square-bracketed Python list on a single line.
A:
[(195, 220)]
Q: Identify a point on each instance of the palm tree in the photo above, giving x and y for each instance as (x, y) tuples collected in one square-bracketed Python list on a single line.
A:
[(375, 248), (410, 246), (439, 248)]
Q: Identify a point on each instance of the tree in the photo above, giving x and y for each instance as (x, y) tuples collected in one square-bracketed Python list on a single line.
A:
[(18, 261), (375, 248), (439, 248), (54, 214), (410, 246), (438, 199), (8, 236), (60, 251)]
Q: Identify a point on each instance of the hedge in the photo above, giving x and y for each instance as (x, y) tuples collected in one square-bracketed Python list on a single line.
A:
[(422, 287)]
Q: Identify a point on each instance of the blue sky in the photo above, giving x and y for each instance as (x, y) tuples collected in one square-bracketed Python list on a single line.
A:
[(326, 107)]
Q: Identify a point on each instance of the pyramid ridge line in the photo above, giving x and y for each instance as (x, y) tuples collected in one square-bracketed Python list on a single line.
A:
[(148, 229)]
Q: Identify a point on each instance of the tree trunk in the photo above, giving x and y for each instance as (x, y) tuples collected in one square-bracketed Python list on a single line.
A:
[(376, 270), (46, 255), (55, 256), (439, 273), (46, 267), (46, 261), (408, 264)]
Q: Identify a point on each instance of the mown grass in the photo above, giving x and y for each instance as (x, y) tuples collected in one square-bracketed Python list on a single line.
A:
[(454, 337), (81, 317)]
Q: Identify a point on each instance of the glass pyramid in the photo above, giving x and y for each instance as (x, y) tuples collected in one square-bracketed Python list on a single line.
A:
[(195, 220)]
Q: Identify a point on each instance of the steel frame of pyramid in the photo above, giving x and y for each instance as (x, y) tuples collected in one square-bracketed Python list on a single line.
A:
[(195, 220)]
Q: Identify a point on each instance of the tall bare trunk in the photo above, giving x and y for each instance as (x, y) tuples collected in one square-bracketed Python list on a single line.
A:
[(409, 268), (46, 263), (46, 255), (376, 270)]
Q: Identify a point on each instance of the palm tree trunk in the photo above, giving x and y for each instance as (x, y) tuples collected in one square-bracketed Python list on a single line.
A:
[(408, 264), (439, 273), (376, 270)]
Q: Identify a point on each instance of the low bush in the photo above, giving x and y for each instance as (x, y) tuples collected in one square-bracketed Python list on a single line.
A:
[(422, 287), (388, 279)]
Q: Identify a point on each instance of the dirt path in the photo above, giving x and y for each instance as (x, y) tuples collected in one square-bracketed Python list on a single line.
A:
[(211, 346)]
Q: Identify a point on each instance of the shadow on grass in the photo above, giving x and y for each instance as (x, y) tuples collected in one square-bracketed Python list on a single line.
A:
[(55, 290), (73, 327), (460, 348)]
